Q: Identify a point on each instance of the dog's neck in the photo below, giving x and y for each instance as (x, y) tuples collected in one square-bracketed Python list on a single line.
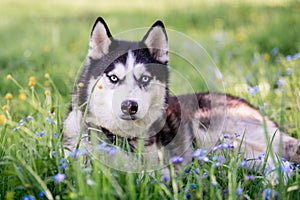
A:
[(149, 139)]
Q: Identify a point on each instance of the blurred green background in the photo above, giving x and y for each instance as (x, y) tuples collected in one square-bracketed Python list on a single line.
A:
[(39, 37), (251, 42)]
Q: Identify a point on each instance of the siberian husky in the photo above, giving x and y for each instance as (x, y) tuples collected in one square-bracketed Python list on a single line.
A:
[(123, 91)]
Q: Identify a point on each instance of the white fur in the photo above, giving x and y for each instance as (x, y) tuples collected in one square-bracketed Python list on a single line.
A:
[(130, 61), (72, 126)]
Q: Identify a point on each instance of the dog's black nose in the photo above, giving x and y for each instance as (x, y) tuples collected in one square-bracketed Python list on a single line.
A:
[(129, 107)]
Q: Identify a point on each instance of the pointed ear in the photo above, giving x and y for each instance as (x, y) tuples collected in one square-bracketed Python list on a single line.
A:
[(156, 40), (100, 39)]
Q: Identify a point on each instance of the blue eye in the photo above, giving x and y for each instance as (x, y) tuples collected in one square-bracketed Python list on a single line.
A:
[(113, 78), (145, 79)]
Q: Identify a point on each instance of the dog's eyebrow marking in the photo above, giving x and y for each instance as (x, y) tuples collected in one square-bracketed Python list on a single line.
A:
[(130, 61), (119, 71)]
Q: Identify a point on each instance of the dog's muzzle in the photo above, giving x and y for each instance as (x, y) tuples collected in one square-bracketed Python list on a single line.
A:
[(129, 109)]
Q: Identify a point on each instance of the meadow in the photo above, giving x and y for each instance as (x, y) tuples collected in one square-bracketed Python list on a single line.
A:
[(254, 46)]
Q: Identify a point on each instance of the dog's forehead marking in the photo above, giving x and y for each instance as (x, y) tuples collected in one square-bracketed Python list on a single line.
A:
[(134, 67), (130, 61)]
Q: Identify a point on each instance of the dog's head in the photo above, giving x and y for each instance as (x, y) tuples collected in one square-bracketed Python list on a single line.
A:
[(127, 81)]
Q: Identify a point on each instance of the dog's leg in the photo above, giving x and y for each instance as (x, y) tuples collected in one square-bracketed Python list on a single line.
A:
[(264, 135), (261, 135), (291, 148), (71, 130), (258, 134)]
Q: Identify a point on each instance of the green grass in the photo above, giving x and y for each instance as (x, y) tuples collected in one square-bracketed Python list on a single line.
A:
[(52, 37)]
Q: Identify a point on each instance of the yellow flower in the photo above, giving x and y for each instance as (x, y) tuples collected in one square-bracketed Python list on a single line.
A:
[(47, 92), (31, 82), (240, 37), (5, 108), (8, 77), (9, 97), (100, 86), (80, 84), (46, 83), (31, 78), (2, 119), (46, 75), (266, 56), (22, 96)]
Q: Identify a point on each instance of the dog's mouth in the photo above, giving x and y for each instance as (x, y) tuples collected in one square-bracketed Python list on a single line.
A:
[(129, 117)]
